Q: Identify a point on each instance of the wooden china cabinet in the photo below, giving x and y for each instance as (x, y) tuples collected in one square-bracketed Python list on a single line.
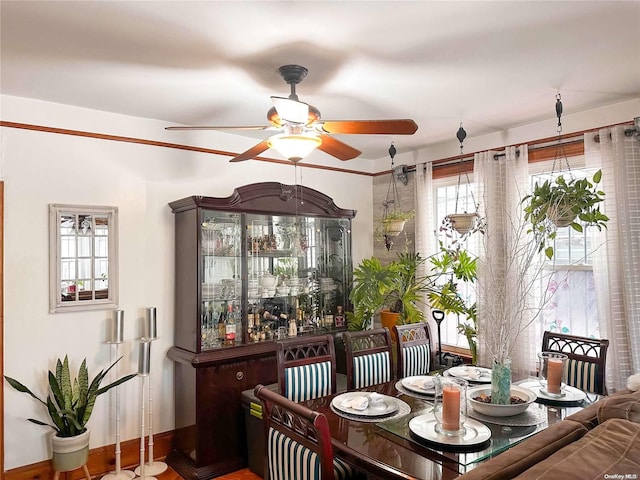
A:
[(268, 262)]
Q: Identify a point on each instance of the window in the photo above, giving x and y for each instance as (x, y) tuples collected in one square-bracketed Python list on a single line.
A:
[(83, 258), (572, 307), (445, 203)]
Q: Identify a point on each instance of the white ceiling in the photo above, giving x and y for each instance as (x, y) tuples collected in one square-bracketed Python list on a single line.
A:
[(491, 65)]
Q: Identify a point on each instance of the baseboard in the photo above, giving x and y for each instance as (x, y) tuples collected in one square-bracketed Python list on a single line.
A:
[(102, 460)]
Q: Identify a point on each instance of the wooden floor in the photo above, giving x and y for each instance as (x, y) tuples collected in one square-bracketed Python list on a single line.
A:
[(244, 474)]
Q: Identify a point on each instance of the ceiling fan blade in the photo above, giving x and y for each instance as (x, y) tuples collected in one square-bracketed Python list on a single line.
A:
[(204, 127), (252, 152), (292, 111), (389, 127), (338, 149)]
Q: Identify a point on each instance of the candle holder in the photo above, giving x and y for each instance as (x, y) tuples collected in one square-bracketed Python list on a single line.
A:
[(150, 333), (552, 373), (143, 373), (115, 337), (450, 405)]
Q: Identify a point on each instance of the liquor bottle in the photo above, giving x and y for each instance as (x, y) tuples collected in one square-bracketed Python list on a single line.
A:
[(230, 326), (327, 316), (339, 318), (222, 320)]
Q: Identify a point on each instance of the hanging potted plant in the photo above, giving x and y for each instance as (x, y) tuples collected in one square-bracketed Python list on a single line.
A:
[(561, 203), (464, 223), (69, 405), (393, 222)]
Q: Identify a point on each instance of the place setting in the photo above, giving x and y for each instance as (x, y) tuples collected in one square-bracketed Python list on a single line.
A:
[(369, 406), (419, 386), (470, 373), (448, 426), (551, 387)]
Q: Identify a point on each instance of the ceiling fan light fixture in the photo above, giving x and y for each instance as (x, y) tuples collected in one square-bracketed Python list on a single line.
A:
[(294, 147)]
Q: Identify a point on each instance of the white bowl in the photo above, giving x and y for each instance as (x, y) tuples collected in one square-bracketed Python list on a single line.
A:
[(268, 281), (494, 410)]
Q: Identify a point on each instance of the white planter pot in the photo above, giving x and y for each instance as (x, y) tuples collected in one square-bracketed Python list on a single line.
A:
[(393, 227), (462, 222), (561, 216), (69, 453)]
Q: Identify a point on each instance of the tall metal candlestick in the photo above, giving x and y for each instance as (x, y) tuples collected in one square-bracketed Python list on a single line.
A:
[(151, 467), (143, 372), (115, 338)]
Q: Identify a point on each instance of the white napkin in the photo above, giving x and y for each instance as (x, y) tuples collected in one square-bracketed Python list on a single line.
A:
[(357, 403), (423, 383), (473, 373)]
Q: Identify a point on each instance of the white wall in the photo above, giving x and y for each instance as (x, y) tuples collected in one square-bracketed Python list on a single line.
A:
[(40, 168)]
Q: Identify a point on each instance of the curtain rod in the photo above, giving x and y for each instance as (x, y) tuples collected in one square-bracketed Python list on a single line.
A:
[(629, 132)]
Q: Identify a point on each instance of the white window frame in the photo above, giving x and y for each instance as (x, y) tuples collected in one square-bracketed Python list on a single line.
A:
[(56, 305)]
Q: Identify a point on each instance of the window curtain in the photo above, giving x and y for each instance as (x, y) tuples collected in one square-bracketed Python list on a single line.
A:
[(507, 262), (425, 228), (616, 264)]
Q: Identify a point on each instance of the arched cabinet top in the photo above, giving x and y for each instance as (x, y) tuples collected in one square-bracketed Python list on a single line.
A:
[(268, 197)]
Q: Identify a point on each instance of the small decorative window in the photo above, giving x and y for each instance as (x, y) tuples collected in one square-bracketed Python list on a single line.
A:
[(82, 258)]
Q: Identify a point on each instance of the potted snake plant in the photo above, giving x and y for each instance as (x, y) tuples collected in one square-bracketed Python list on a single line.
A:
[(69, 404)]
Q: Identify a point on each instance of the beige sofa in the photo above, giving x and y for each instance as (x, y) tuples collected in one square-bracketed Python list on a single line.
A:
[(600, 442)]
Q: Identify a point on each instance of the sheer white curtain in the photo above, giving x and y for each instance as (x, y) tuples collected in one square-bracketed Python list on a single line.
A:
[(425, 225), (616, 265), (505, 287)]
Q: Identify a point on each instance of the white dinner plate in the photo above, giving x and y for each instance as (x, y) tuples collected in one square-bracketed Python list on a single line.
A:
[(420, 384), (385, 406), (424, 426), (471, 374), (571, 394)]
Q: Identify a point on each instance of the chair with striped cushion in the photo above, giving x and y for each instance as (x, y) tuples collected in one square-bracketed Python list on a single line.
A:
[(298, 441), (369, 360), (306, 367), (587, 359), (414, 353)]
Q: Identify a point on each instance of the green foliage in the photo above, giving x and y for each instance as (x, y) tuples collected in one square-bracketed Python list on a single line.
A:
[(456, 265), (372, 284), (70, 404), (563, 200)]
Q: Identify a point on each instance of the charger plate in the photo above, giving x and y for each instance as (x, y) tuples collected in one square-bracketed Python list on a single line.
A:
[(422, 384), (388, 405), (571, 394), (424, 426), (464, 373)]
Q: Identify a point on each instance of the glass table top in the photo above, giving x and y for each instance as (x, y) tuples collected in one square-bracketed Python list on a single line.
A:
[(505, 433)]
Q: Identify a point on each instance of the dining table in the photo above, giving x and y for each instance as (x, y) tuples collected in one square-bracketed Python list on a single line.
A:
[(388, 447)]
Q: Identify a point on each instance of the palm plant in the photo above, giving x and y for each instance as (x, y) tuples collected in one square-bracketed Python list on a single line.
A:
[(68, 403)]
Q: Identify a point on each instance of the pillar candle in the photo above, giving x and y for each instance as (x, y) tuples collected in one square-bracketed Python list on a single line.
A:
[(144, 359), (554, 375), (150, 326), (450, 408), (116, 329)]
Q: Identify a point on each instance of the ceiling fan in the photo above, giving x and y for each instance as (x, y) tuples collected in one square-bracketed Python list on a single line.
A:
[(302, 130)]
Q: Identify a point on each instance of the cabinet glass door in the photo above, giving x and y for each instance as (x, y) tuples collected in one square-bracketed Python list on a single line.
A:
[(221, 274), (298, 273)]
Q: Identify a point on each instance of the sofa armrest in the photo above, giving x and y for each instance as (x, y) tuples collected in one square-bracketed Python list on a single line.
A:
[(534, 449)]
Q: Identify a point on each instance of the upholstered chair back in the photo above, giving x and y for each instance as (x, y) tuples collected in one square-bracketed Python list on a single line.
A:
[(306, 367), (369, 358), (414, 351)]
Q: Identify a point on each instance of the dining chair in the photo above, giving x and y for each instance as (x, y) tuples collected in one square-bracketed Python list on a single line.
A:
[(414, 352), (369, 359), (298, 441), (585, 368), (306, 367)]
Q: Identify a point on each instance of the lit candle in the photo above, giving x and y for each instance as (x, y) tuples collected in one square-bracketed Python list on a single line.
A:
[(450, 408), (554, 375), (150, 326), (144, 359), (116, 327)]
